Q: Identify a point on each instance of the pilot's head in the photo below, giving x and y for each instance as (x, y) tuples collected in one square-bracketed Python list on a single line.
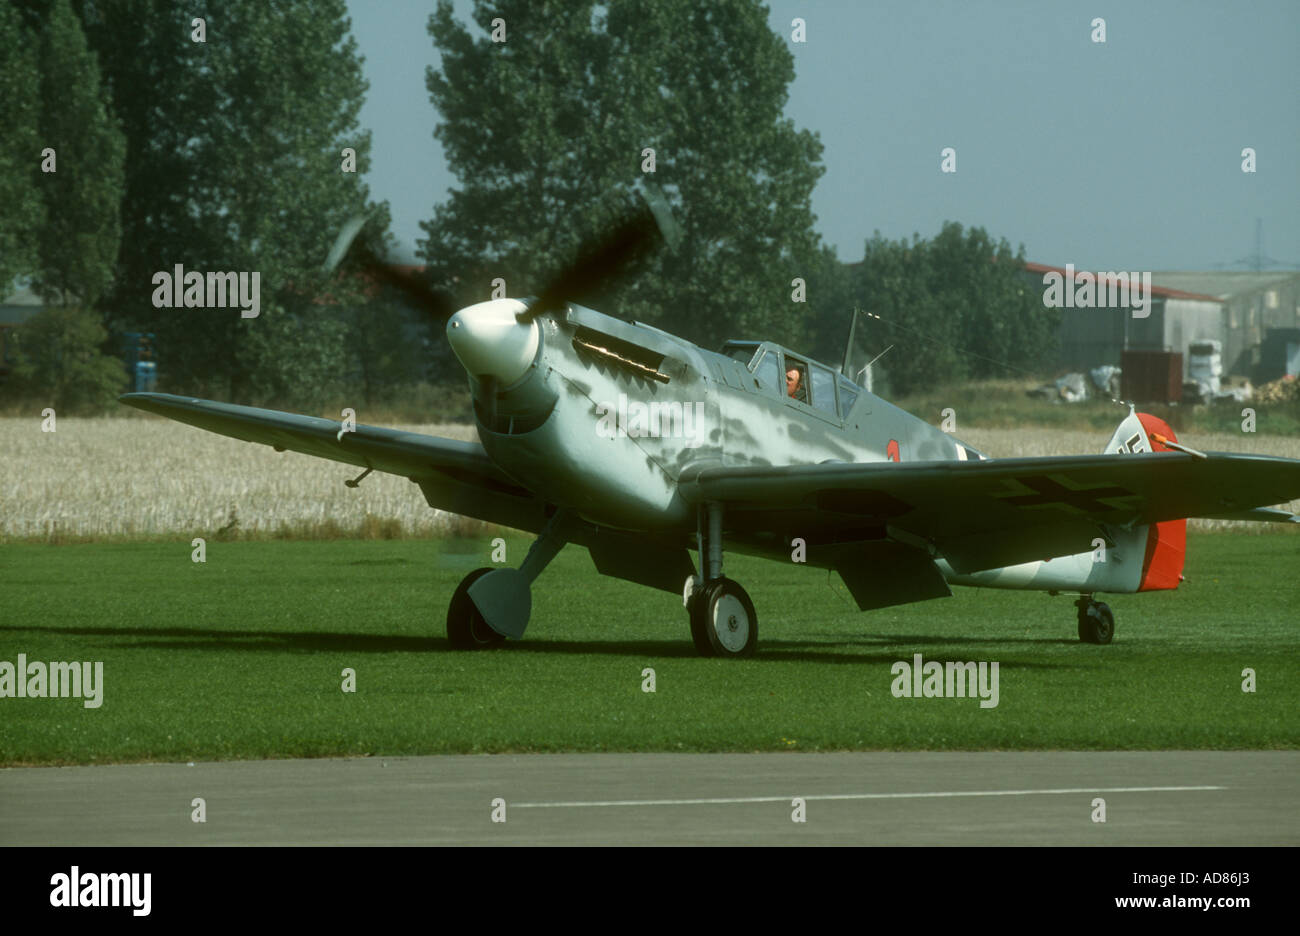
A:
[(792, 381)]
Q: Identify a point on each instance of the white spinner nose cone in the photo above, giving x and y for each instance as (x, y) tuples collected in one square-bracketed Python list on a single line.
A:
[(491, 342)]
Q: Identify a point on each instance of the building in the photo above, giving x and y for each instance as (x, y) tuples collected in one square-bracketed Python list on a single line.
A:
[(1254, 316), (1261, 329), (1091, 337)]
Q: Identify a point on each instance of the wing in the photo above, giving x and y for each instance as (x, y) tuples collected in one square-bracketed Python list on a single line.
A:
[(999, 512), (454, 475)]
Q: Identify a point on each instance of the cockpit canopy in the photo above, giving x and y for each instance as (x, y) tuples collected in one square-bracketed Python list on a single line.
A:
[(796, 377)]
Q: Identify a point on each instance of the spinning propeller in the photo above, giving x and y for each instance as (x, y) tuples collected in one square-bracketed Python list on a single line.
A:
[(496, 340)]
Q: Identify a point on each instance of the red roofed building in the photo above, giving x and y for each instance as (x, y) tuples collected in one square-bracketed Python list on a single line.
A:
[(1254, 316), (1099, 333)]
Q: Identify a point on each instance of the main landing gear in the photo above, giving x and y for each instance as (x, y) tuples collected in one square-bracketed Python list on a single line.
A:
[(1096, 622), (491, 604), (723, 621)]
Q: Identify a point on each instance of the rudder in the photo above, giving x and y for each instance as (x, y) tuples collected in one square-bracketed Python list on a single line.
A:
[(1166, 545)]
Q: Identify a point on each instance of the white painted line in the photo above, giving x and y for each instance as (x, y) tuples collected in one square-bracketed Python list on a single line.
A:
[(725, 801)]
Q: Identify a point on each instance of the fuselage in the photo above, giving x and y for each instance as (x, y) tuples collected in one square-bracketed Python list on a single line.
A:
[(602, 416), (607, 414)]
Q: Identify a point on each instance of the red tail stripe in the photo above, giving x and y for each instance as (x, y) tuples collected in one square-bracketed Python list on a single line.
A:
[(1162, 565)]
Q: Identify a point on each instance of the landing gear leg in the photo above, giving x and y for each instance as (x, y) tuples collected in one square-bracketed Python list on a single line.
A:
[(1096, 622), (492, 604), (723, 621)]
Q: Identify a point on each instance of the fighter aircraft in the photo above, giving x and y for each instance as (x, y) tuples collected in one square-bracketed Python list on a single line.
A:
[(644, 448)]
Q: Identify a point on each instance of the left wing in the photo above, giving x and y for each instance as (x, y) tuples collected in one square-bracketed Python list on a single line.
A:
[(999, 512)]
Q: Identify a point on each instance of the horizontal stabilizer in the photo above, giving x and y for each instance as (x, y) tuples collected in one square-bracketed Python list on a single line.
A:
[(1259, 514)]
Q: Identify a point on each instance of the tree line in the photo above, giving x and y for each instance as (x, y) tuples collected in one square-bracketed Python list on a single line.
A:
[(144, 135)]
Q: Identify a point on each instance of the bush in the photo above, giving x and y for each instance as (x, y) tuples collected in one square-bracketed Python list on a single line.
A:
[(58, 361)]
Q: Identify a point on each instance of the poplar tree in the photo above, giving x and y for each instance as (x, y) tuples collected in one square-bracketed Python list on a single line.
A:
[(236, 163), (82, 231), (22, 211), (550, 131)]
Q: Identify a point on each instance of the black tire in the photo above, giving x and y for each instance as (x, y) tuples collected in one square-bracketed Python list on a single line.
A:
[(727, 618), (699, 636), (466, 629), (1096, 623)]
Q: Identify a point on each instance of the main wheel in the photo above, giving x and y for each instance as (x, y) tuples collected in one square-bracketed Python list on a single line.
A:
[(724, 616), (1096, 623), (466, 629), (692, 598)]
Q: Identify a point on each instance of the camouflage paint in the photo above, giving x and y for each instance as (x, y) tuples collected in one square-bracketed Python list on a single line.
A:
[(744, 423)]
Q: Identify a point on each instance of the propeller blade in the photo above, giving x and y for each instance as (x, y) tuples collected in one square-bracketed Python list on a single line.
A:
[(612, 255), (417, 289), (439, 303), (347, 234)]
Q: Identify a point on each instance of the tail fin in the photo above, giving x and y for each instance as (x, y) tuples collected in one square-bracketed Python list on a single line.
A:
[(1166, 545)]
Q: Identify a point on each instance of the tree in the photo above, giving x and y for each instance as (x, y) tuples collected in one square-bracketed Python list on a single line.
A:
[(387, 349), (23, 211), (1004, 324), (236, 164), (276, 364), (894, 282), (549, 133), (57, 362), (156, 76), (78, 242), (832, 288), (953, 308)]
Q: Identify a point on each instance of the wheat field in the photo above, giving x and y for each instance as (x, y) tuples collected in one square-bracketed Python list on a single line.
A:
[(145, 477), (140, 477)]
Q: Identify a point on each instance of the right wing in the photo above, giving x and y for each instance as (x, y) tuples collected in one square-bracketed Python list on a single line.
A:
[(997, 512), (455, 476)]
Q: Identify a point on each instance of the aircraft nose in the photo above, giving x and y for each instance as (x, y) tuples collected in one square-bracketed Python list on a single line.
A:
[(490, 341)]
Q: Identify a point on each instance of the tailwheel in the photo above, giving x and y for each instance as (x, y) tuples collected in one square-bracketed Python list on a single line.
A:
[(723, 621), (466, 629), (1096, 621)]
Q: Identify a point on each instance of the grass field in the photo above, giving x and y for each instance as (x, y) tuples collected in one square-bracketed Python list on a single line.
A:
[(241, 657)]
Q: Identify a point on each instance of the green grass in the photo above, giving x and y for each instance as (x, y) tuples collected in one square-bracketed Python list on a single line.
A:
[(241, 658)]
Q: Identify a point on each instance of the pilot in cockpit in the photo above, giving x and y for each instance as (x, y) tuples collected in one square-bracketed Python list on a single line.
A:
[(794, 384)]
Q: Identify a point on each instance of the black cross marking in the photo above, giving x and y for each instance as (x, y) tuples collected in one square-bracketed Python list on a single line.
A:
[(1052, 493)]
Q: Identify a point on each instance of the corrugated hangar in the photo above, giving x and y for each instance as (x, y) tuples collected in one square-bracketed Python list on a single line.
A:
[(1261, 319), (1254, 317)]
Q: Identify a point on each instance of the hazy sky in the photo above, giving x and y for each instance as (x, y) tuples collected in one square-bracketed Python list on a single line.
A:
[(1122, 155)]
